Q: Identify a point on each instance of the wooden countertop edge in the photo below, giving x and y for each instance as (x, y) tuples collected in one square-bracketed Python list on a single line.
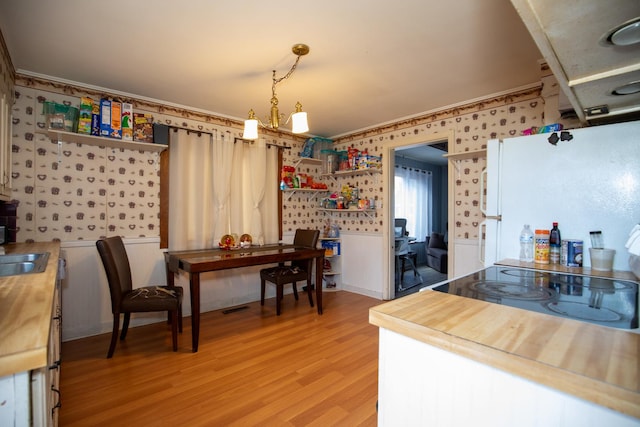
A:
[(594, 390), (17, 352), (24, 361)]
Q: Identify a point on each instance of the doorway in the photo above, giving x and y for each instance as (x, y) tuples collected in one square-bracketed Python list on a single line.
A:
[(408, 270)]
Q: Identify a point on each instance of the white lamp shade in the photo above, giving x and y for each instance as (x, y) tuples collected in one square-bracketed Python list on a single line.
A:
[(250, 129), (299, 122)]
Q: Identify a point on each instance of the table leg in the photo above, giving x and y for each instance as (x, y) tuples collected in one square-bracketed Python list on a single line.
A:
[(194, 285), (319, 268)]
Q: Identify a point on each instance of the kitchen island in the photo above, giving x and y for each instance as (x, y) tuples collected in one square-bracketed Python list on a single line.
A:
[(29, 340), (448, 360)]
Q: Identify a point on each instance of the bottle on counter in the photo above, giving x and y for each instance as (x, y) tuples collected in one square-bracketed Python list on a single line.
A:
[(554, 244), (541, 251), (526, 244)]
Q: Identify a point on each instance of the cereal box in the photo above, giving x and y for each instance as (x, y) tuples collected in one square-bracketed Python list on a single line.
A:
[(143, 127), (127, 121), (84, 122), (116, 120), (110, 118), (105, 117), (95, 119)]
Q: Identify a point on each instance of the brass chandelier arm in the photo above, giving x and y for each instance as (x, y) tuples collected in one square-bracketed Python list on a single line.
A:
[(299, 117)]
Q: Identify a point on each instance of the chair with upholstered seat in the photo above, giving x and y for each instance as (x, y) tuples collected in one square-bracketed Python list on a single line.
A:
[(297, 271), (126, 300)]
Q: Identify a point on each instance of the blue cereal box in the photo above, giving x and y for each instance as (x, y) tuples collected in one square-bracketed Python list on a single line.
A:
[(105, 117), (110, 118)]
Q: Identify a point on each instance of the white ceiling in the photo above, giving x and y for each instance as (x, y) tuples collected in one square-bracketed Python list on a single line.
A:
[(371, 62)]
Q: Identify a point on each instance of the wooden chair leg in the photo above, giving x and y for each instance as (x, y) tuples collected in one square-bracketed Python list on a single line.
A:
[(114, 335), (295, 290), (262, 285), (125, 326), (279, 292), (180, 318), (174, 329)]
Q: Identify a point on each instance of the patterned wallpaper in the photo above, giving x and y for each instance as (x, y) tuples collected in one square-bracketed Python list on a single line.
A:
[(82, 192), (77, 191), (473, 125), (85, 192)]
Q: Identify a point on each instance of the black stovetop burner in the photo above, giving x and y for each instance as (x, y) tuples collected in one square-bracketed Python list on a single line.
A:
[(609, 302)]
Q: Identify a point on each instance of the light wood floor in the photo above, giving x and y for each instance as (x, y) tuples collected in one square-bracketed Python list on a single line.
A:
[(252, 368)]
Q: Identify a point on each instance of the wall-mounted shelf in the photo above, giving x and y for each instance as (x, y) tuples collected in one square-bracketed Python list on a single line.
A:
[(311, 192), (355, 172), (368, 212), (464, 155), (308, 160), (77, 138)]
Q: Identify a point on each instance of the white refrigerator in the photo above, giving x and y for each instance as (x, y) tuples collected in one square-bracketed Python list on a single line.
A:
[(585, 179)]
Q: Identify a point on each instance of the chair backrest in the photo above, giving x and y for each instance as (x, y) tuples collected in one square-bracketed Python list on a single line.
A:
[(116, 265), (307, 239), (400, 227)]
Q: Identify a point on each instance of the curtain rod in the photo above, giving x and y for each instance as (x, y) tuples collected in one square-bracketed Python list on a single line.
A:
[(189, 130), (284, 147), (269, 144)]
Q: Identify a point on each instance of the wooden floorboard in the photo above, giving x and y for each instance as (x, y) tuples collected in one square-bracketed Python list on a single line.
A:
[(252, 368)]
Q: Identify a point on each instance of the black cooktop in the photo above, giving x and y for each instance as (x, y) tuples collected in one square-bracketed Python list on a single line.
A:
[(609, 302)]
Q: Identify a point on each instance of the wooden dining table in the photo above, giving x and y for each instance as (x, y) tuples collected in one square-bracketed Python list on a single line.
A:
[(195, 262)]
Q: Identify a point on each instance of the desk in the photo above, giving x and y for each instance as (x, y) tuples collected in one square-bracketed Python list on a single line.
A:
[(195, 262)]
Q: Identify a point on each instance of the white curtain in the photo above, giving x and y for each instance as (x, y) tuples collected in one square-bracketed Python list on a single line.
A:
[(219, 186), (413, 200), (190, 190), (254, 191), (223, 148)]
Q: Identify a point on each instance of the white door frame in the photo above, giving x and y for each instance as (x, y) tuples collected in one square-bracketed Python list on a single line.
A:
[(388, 166)]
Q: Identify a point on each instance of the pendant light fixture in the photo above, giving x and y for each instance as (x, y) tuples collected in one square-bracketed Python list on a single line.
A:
[(298, 117)]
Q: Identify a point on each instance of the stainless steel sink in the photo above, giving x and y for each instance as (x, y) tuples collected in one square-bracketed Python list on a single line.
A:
[(15, 264)]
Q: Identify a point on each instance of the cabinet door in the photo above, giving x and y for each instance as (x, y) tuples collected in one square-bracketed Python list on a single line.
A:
[(5, 148)]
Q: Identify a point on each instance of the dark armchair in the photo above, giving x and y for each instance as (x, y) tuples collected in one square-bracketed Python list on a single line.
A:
[(437, 256)]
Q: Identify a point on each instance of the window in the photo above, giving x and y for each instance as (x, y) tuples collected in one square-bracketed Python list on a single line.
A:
[(413, 200)]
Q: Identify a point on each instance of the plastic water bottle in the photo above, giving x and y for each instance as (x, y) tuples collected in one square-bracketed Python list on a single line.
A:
[(526, 244)]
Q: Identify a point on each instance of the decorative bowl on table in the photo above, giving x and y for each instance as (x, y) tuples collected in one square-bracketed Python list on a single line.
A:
[(245, 241), (227, 242)]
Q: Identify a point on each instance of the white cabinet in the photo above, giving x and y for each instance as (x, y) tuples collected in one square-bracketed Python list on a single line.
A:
[(32, 398), (5, 147), (45, 381), (331, 273)]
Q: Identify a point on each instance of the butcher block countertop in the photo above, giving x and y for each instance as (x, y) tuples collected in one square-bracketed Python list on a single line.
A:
[(26, 304), (592, 362)]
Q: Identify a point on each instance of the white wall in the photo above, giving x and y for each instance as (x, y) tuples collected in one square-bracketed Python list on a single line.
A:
[(86, 303), (363, 263)]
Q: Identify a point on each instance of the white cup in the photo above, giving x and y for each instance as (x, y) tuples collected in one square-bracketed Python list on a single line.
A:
[(602, 259)]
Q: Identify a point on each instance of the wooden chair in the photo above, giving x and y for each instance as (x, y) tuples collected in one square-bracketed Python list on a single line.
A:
[(296, 272), (126, 300)]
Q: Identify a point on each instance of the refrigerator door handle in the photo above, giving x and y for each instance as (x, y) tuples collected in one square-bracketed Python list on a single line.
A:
[(480, 245), (483, 177)]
